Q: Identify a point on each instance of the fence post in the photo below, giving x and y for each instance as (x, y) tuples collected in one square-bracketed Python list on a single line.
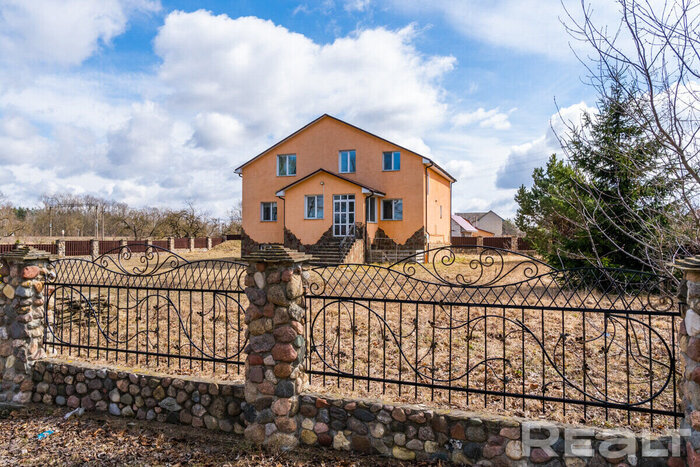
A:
[(61, 248), (689, 343), (191, 243), (208, 243), (514, 243), (122, 243), (23, 271), (479, 241), (94, 248), (171, 243), (275, 287)]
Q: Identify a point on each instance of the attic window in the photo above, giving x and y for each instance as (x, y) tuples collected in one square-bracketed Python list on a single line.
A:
[(392, 161), (346, 162), (286, 165)]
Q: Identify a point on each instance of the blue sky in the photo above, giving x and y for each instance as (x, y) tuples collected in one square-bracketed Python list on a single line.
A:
[(155, 102)]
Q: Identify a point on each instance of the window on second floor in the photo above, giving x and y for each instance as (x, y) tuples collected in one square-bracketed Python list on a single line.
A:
[(392, 161), (371, 209), (314, 207), (392, 210), (268, 211), (346, 162), (286, 165)]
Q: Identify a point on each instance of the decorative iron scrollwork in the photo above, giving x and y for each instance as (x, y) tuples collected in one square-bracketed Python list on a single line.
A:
[(154, 260)]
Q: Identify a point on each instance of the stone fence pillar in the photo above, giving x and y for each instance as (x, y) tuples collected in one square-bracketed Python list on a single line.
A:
[(479, 241), (122, 243), (94, 248), (208, 243), (61, 248), (689, 343), (191, 243), (23, 271), (171, 243), (275, 326), (514, 243)]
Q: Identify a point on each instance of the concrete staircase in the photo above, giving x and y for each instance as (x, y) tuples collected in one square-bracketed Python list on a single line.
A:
[(329, 252)]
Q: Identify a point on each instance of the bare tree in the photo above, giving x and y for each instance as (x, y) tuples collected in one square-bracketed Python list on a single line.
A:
[(142, 223), (189, 222), (10, 224), (235, 219), (652, 56)]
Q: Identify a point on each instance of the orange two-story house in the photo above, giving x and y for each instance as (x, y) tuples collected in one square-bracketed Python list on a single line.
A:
[(336, 191)]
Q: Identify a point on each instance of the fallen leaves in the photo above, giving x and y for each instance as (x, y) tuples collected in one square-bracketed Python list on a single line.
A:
[(101, 440)]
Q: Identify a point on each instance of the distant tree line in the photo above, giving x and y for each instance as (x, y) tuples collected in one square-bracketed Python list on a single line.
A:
[(89, 216)]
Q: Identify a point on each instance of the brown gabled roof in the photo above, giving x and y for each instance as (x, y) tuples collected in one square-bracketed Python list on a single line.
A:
[(305, 177), (436, 166)]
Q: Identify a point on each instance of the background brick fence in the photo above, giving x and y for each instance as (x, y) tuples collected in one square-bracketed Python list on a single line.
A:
[(86, 247), (507, 243)]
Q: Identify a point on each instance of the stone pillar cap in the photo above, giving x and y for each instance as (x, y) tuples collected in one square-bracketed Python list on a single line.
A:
[(690, 263), (276, 254), (25, 253)]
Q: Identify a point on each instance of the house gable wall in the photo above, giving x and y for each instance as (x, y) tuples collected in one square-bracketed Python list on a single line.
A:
[(491, 223)]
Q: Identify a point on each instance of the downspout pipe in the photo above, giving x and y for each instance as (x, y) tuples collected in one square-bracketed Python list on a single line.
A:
[(284, 218), (427, 186)]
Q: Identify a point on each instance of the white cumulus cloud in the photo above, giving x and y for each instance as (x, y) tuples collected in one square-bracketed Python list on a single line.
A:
[(62, 32), (524, 158), (493, 118), (532, 26), (274, 80)]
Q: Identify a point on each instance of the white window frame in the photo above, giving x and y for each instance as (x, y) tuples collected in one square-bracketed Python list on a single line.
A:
[(347, 153), (393, 210), (306, 206), (371, 201), (273, 204), (286, 163), (394, 156)]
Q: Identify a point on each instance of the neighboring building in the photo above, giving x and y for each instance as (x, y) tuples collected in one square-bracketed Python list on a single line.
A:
[(462, 227), (331, 184), (490, 222)]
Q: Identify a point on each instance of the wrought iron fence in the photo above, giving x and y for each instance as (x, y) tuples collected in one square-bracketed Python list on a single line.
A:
[(500, 331), (493, 330), (153, 309)]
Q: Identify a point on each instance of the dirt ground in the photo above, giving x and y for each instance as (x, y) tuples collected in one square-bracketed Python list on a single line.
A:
[(100, 440)]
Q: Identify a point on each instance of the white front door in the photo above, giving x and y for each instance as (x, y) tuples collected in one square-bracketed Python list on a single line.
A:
[(343, 215)]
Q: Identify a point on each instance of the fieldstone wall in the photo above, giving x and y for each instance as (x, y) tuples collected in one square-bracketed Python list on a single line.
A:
[(402, 431), (415, 432), (143, 396)]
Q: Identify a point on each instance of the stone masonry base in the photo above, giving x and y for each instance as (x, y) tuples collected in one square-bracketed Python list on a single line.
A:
[(406, 432)]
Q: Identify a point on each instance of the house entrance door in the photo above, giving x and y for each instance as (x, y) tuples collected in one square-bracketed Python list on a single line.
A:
[(343, 215)]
